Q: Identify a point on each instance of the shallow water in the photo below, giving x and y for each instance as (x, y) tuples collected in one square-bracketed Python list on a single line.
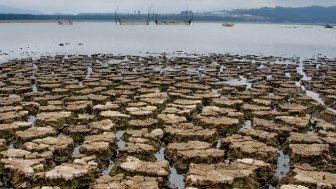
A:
[(282, 165), (34, 39), (31, 119), (175, 179), (106, 171), (120, 141), (76, 150)]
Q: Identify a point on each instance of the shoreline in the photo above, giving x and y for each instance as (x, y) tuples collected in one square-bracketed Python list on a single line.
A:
[(194, 22)]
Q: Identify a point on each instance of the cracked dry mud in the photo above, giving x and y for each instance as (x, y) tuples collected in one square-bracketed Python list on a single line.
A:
[(198, 121)]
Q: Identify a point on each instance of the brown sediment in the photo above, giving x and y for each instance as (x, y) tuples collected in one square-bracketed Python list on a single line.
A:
[(99, 144), (171, 119), (239, 146), (123, 181), (300, 123), (182, 154), (11, 116), (263, 136), (186, 131), (223, 124), (54, 119), (145, 123), (242, 173), (229, 103), (132, 166), (311, 177), (35, 132)]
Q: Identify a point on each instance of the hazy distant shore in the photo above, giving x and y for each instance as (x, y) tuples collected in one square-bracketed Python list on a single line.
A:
[(113, 21)]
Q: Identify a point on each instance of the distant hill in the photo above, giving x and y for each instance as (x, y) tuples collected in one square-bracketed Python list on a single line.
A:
[(313, 14), (11, 10)]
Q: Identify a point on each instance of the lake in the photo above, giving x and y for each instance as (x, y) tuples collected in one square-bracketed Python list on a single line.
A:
[(32, 39)]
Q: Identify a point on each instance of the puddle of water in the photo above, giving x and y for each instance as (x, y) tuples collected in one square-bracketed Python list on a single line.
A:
[(288, 75), (31, 119), (221, 69), (261, 66), (175, 179), (300, 69), (315, 96), (318, 66), (14, 96), (160, 154), (35, 67), (218, 145), (76, 151), (120, 141), (238, 82), (247, 125), (164, 94), (215, 91), (282, 165), (34, 88), (106, 171), (11, 146), (89, 72)]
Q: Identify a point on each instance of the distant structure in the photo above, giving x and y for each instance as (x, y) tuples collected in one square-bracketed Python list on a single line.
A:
[(132, 21), (189, 16), (68, 21), (228, 25), (328, 26)]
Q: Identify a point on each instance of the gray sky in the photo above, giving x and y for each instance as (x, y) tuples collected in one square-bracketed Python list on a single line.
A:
[(164, 6)]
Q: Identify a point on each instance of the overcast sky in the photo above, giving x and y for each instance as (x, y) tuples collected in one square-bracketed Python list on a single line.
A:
[(164, 6)]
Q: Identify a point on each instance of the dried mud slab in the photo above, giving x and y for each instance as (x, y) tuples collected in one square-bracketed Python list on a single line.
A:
[(313, 154), (227, 103), (311, 177), (54, 119), (260, 135), (100, 144), (271, 126), (142, 111), (21, 164), (171, 119), (10, 128), (70, 175), (12, 116), (123, 181), (61, 145), (239, 146), (105, 125), (292, 186), (141, 143), (35, 133), (133, 166), (222, 124), (242, 173), (182, 154), (105, 107), (115, 116), (143, 123), (187, 131), (300, 123)]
